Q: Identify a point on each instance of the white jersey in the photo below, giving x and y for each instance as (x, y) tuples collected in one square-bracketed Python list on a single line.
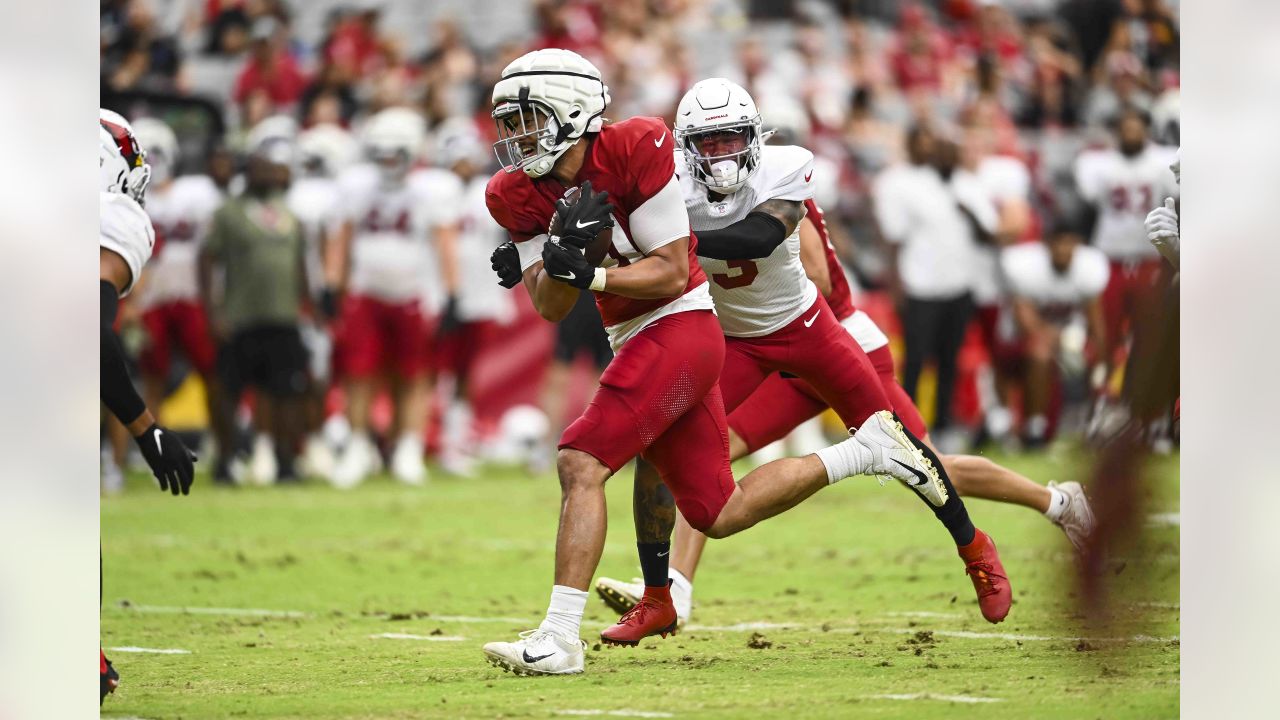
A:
[(1031, 276), (1005, 179), (1124, 190), (479, 297), (756, 297), (392, 258), (125, 229), (181, 213), (316, 202)]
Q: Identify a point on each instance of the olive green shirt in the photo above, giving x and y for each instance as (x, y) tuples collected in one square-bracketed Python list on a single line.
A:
[(259, 246)]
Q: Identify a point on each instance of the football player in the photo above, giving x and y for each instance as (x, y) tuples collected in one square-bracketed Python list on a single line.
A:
[(172, 315), (659, 397), (393, 217), (125, 240), (747, 203), (781, 403)]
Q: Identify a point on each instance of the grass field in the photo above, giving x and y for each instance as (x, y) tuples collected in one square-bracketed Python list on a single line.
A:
[(306, 602)]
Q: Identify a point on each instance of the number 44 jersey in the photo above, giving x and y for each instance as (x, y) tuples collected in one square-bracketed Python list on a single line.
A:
[(755, 297)]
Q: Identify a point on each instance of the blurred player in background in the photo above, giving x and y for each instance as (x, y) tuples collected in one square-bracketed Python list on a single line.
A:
[(172, 314), (256, 247), (315, 198), (482, 307), (1122, 184), (659, 398), (399, 229), (125, 241), (1055, 289)]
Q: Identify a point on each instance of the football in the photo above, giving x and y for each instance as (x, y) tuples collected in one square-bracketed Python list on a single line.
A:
[(598, 247)]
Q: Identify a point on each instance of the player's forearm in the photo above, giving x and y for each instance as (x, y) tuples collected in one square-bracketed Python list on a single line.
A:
[(447, 248), (336, 255), (751, 238), (116, 388), (553, 300), (653, 277), (813, 257)]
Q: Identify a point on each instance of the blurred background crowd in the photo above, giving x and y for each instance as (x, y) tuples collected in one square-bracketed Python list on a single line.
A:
[(1050, 122)]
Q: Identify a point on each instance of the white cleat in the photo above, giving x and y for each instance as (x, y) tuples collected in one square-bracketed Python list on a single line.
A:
[(262, 464), (1077, 519), (355, 464), (318, 459), (894, 455), (622, 596), (406, 461), (538, 652)]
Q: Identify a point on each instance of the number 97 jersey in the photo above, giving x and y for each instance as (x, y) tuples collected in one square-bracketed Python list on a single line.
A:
[(755, 297)]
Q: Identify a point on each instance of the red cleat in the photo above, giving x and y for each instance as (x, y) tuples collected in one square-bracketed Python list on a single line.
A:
[(109, 680), (982, 563), (655, 614)]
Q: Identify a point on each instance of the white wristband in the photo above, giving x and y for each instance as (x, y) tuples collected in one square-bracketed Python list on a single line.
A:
[(597, 283)]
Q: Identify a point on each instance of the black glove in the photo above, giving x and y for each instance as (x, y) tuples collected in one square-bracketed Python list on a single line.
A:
[(329, 303), (449, 320), (567, 265), (168, 458), (580, 215), (506, 262)]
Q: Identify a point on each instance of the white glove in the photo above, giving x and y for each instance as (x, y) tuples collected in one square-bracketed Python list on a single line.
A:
[(1162, 230)]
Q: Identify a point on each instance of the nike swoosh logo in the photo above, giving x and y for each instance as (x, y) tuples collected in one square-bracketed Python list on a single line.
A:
[(531, 660), (579, 224), (812, 320), (156, 437), (921, 476), (806, 177), (563, 277), (659, 141), (664, 554)]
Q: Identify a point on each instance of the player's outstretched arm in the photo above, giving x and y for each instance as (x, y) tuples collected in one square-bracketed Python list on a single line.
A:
[(662, 273), (756, 236)]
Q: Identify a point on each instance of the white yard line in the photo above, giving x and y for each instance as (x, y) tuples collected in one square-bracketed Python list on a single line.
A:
[(970, 635), (1165, 519), (746, 626), (244, 612), (408, 636), (934, 696), (153, 651), (617, 713)]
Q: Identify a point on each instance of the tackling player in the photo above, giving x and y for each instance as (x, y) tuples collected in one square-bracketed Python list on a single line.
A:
[(747, 204), (659, 397), (125, 239), (380, 256)]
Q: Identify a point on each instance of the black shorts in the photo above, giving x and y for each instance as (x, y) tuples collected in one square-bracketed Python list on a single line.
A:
[(582, 331), (270, 358)]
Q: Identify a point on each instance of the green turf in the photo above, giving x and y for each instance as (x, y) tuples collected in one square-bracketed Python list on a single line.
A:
[(865, 576)]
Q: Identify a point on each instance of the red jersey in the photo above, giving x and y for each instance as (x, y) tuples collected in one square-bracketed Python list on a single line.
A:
[(633, 161), (841, 297)]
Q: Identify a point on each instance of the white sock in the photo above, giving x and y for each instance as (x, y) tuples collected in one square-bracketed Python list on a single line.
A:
[(1057, 503), (564, 614), (844, 459), (681, 592), (1037, 426)]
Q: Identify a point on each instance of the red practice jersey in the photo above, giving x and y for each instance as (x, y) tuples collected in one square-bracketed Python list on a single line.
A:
[(632, 160)]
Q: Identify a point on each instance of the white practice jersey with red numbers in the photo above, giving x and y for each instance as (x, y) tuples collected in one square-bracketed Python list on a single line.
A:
[(1124, 190), (756, 297), (181, 212), (392, 258), (125, 229)]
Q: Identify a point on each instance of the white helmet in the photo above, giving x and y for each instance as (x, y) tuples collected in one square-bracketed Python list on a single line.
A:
[(161, 144), (326, 149), (273, 139), (393, 139), (545, 101), (714, 107), (122, 166)]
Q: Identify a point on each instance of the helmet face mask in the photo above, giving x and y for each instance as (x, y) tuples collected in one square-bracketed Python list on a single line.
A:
[(722, 157), (527, 135)]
